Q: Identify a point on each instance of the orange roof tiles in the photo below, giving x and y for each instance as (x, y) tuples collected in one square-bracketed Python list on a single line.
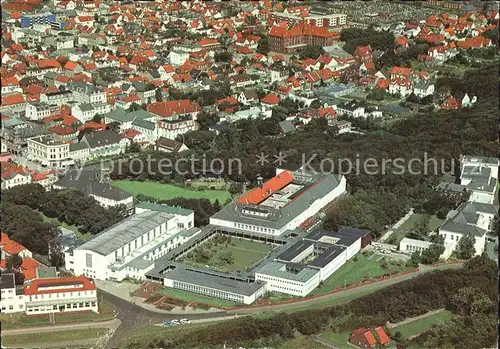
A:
[(270, 99), (10, 246), (43, 286), (383, 337), (170, 108), (258, 195)]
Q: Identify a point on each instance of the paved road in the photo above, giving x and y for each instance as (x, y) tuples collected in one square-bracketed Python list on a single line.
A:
[(357, 290), (132, 316), (492, 250)]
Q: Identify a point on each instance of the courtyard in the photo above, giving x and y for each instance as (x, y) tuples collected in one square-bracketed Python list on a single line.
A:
[(227, 254)]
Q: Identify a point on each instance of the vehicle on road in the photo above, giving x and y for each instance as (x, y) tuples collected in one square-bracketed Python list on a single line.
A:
[(185, 321), (175, 322)]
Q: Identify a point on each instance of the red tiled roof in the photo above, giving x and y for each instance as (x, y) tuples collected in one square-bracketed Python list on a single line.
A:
[(383, 337), (270, 99), (36, 287), (62, 130), (208, 42), (10, 246), (300, 29), (13, 99), (258, 195), (401, 71), (170, 108), (370, 338)]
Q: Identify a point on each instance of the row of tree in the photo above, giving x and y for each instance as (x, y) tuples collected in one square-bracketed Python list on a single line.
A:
[(21, 220)]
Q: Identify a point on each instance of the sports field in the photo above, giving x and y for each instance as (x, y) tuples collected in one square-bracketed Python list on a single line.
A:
[(227, 254), (168, 191)]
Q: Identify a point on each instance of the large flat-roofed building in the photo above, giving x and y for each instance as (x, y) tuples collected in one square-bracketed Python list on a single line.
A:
[(282, 203), (214, 285), (129, 248), (300, 268), (317, 19)]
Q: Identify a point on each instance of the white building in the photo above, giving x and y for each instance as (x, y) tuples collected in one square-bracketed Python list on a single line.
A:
[(276, 206), (49, 152), (130, 248), (12, 297), (473, 218), (40, 110), (14, 179), (480, 176), (300, 268), (410, 246), (57, 295)]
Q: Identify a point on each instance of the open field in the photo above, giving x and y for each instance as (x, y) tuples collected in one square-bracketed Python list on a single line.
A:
[(168, 191), (52, 337), (339, 339), (418, 326), (366, 267), (194, 297), (227, 254), (19, 320)]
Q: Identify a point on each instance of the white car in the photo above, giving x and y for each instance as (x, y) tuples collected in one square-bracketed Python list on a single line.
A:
[(175, 322), (185, 321)]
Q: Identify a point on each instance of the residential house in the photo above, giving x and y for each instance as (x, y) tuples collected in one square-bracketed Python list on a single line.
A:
[(241, 80), (369, 339), (9, 247), (423, 89), (170, 145), (39, 110), (351, 109), (248, 97)]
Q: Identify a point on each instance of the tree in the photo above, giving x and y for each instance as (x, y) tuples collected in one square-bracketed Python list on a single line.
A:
[(223, 57), (315, 104), (431, 255), (263, 45), (14, 261), (465, 246), (97, 118), (470, 301), (311, 51), (422, 225), (113, 126), (236, 188)]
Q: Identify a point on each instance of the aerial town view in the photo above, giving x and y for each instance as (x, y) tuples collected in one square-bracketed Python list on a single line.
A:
[(249, 174)]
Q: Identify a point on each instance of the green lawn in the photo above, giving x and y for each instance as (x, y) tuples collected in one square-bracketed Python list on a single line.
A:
[(339, 339), (49, 337), (353, 271), (18, 320), (409, 225), (301, 342), (421, 325), (168, 191), (244, 252), (194, 297)]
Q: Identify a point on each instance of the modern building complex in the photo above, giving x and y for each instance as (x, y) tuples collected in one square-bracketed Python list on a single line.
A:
[(129, 248), (282, 203), (312, 259), (153, 242), (29, 20)]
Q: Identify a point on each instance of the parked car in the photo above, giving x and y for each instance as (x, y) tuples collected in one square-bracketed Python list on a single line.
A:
[(175, 322), (185, 321)]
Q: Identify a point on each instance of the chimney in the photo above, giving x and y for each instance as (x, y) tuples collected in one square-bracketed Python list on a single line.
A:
[(259, 181)]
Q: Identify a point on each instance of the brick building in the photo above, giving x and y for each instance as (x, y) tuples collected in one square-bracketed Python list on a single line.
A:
[(291, 40)]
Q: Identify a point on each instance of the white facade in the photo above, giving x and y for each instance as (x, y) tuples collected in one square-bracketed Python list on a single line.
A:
[(49, 152), (131, 254), (10, 301), (411, 245), (287, 286), (451, 239), (15, 180)]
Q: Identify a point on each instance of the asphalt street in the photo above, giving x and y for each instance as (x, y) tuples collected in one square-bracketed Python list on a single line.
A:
[(132, 316)]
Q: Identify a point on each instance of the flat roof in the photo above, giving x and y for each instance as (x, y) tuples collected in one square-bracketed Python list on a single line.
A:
[(146, 205), (295, 250), (278, 269), (413, 242), (328, 255), (192, 276), (125, 231)]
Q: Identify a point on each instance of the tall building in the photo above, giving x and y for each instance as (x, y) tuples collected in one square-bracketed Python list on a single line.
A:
[(291, 40), (29, 20), (319, 20)]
